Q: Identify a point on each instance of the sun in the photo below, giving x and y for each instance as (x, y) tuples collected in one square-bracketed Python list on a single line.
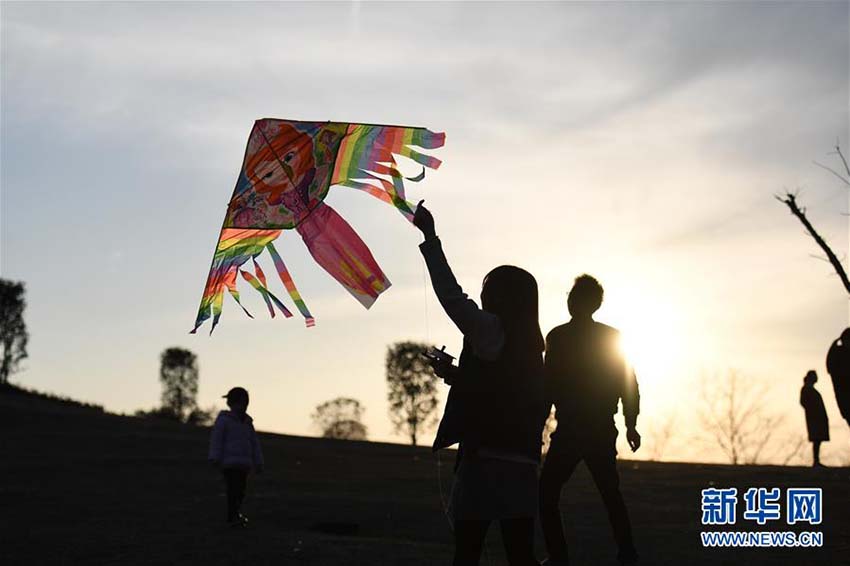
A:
[(652, 335)]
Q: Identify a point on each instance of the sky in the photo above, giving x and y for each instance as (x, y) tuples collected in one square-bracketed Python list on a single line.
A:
[(640, 142)]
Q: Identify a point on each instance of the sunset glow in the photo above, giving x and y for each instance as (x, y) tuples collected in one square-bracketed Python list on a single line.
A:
[(653, 336), (623, 140)]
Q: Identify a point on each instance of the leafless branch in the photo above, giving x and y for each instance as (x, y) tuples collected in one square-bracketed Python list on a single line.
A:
[(735, 418), (794, 449), (841, 155), (833, 171), (661, 433), (819, 257), (790, 200)]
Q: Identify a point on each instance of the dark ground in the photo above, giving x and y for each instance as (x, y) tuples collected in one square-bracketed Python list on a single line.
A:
[(78, 486)]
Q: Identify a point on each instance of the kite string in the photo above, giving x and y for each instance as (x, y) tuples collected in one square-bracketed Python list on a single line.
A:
[(443, 503), (425, 302), (437, 454)]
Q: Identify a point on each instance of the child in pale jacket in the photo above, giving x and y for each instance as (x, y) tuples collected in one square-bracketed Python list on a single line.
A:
[(234, 449)]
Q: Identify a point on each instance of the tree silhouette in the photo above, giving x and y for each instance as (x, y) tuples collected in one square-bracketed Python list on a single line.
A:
[(340, 418), (178, 374), (734, 417), (661, 432), (790, 200), (412, 389), (201, 417), (13, 330)]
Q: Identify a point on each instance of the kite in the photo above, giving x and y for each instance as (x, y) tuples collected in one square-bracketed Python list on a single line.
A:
[(288, 168)]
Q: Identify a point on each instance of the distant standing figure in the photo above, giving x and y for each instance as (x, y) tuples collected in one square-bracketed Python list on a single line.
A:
[(838, 366), (234, 449), (586, 376), (817, 422)]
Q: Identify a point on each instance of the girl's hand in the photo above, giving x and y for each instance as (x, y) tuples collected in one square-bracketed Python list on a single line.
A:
[(424, 220), (445, 370)]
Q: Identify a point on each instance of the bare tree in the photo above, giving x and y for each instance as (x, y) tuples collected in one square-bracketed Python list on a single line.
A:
[(844, 459), (340, 418), (13, 330), (660, 434), (790, 200), (734, 417), (793, 448), (178, 374), (412, 389)]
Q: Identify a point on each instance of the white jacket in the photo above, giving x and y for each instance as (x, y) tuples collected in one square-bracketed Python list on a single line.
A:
[(233, 442)]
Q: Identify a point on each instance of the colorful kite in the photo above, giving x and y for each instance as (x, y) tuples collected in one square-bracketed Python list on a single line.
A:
[(286, 173)]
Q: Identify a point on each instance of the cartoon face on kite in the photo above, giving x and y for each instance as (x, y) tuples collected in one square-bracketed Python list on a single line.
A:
[(288, 168), (283, 167), (286, 173)]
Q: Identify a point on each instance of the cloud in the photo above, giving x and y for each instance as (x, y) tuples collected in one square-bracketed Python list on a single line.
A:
[(642, 142)]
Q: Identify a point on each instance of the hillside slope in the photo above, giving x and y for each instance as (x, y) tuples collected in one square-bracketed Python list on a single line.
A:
[(79, 486)]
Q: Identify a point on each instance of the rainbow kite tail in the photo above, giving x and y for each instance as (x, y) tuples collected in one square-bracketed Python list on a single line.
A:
[(368, 151), (235, 247), (286, 278)]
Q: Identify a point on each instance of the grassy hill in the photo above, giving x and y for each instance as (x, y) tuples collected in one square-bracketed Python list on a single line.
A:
[(80, 486)]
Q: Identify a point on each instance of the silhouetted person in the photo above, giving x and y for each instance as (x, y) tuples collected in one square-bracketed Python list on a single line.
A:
[(817, 422), (838, 366), (234, 449), (586, 375), (495, 404)]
